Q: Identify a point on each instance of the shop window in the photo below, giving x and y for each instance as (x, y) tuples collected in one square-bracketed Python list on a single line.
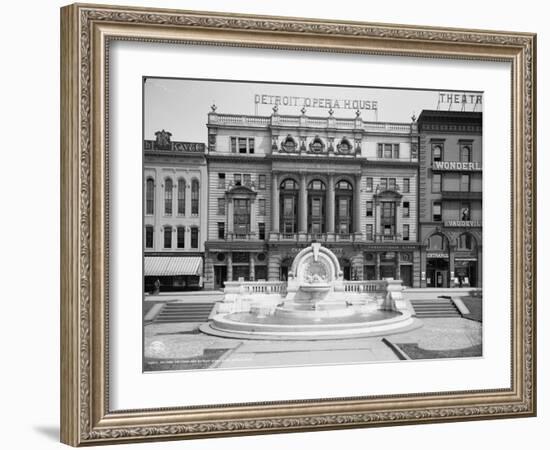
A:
[(181, 197), (167, 237), (150, 197), (168, 197), (436, 211), (194, 237), (149, 237), (181, 237)]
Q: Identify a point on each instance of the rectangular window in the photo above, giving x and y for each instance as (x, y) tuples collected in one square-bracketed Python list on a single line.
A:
[(194, 237), (369, 232), (221, 206), (181, 237), (405, 232), (148, 237), (369, 184), (436, 211), (261, 231), (406, 209), (380, 150), (242, 145), (233, 145), (181, 197), (247, 179), (221, 181), (237, 179), (369, 209), (465, 211), (383, 184), (250, 145), (316, 207), (221, 230), (393, 184), (406, 185), (261, 207), (261, 181), (464, 183), (395, 151), (167, 237), (436, 182), (388, 151)]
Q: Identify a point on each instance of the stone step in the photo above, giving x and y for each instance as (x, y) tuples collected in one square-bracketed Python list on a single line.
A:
[(184, 312)]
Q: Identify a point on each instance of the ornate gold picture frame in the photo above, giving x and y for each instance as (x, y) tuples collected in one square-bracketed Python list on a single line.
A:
[(87, 31)]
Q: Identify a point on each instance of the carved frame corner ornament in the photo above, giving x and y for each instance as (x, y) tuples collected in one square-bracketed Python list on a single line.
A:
[(86, 31)]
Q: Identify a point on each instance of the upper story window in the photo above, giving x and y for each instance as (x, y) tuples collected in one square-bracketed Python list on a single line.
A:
[(247, 179), (369, 208), (388, 151), (168, 187), (221, 206), (289, 184), (261, 207), (195, 197), (221, 180), (465, 211), (237, 179), (406, 209), (261, 181), (149, 237), (465, 182), (369, 184), (167, 237), (406, 232), (242, 145), (437, 242), (383, 184), (344, 186), (406, 185), (465, 153), (194, 237), (316, 185), (392, 184), (181, 237), (150, 196), (261, 231), (221, 230), (436, 182), (436, 211), (466, 242), (181, 197), (437, 153)]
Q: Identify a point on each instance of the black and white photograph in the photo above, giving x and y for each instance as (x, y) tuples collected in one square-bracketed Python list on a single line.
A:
[(301, 224)]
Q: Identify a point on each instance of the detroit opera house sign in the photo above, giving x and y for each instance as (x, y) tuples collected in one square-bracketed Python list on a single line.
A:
[(315, 102)]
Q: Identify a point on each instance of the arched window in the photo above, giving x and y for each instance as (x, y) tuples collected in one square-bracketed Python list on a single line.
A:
[(288, 206), (150, 196), (181, 197), (466, 242), (168, 196), (168, 237), (195, 197), (465, 153), (437, 153), (344, 200), (437, 242), (316, 185)]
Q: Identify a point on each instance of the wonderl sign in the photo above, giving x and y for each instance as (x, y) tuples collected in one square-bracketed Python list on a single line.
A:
[(456, 165)]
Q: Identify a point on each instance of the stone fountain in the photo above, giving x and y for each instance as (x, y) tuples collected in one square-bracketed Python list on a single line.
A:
[(314, 304)]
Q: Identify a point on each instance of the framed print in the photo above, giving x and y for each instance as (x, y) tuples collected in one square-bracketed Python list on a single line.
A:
[(281, 224)]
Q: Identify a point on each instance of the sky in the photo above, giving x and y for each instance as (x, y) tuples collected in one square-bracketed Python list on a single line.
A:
[(180, 106)]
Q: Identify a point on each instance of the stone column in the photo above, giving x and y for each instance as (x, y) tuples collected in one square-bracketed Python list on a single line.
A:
[(302, 208), (398, 226), (451, 265), (357, 206), (397, 267), (229, 266), (252, 269), (253, 218), (479, 267), (377, 227), (330, 205), (274, 203), (377, 267)]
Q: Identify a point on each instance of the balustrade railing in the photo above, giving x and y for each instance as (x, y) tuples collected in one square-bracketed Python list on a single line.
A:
[(360, 287), (258, 287)]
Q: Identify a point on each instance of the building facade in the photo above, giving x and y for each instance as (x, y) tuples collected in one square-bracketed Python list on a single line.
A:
[(175, 213), (276, 183), (450, 198)]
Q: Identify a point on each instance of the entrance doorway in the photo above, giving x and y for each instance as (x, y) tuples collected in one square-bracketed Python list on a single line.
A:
[(406, 275), (220, 276), (437, 273), (241, 272), (387, 271)]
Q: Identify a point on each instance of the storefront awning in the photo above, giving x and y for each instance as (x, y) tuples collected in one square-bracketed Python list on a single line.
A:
[(173, 265)]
